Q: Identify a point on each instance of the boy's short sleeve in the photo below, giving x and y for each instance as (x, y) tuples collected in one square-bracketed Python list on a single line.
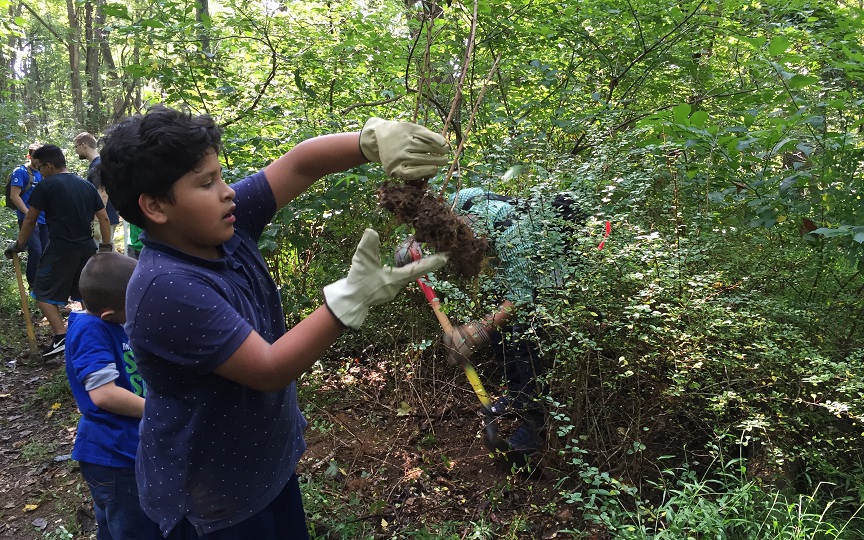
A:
[(184, 319), (20, 177), (89, 347), (256, 204)]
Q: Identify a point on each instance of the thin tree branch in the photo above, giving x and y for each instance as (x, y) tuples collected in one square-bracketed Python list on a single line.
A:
[(273, 68), (469, 52), (613, 83), (461, 146), (45, 24), (350, 108)]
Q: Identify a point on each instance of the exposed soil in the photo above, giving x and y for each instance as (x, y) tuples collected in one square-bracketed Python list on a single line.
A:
[(399, 465), (40, 487), (435, 224)]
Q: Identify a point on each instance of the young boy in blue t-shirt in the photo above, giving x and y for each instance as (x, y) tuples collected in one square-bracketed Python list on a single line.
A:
[(222, 432), (110, 395)]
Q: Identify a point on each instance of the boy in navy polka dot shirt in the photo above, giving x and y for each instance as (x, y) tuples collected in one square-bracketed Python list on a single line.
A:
[(222, 432)]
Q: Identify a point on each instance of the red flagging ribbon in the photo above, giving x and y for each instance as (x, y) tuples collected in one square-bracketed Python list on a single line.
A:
[(605, 236)]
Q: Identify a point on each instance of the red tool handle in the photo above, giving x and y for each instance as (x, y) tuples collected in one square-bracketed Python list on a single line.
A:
[(431, 297)]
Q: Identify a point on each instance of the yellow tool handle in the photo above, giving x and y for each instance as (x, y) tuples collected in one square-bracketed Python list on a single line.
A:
[(25, 306), (477, 385)]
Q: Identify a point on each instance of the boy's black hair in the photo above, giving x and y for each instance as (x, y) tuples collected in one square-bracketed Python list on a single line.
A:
[(148, 153), (103, 282), (50, 154)]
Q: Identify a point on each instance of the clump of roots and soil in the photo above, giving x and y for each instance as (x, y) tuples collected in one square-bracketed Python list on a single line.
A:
[(435, 224)]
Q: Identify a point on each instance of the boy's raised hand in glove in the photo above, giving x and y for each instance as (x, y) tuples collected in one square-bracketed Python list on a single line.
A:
[(369, 284), (407, 151), (464, 341)]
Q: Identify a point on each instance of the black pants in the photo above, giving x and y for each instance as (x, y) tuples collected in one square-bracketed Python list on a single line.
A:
[(517, 348)]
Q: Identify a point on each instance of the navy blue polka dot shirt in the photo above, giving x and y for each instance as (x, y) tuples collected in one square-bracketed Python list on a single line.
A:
[(212, 451)]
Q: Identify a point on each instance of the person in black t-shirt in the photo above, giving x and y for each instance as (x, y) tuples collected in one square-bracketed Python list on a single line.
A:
[(69, 203)]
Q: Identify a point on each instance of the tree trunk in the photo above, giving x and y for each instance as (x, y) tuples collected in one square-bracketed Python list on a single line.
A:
[(8, 74), (73, 45), (93, 120), (202, 10)]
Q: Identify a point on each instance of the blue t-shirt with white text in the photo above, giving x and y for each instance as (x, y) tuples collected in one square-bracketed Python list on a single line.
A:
[(103, 437)]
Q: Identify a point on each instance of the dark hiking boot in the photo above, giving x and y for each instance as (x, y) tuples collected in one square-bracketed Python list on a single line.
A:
[(525, 439)]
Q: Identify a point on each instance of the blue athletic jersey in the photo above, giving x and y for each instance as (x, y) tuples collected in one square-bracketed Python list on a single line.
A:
[(103, 437), (21, 178)]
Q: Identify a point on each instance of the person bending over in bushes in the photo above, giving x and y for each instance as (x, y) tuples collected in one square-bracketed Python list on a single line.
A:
[(523, 263)]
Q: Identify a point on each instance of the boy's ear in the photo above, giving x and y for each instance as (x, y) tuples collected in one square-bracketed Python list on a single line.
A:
[(152, 207), (107, 315)]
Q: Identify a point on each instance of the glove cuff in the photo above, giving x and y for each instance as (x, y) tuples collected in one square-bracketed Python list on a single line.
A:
[(327, 305), (369, 141), (347, 310)]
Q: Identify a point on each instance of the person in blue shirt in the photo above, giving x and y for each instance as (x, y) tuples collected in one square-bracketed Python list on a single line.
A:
[(24, 179), (110, 394), (222, 432)]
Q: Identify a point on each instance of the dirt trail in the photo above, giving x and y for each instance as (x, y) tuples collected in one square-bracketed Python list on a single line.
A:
[(404, 464)]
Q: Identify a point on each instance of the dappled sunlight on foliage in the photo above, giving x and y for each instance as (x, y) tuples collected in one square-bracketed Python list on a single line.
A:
[(705, 364)]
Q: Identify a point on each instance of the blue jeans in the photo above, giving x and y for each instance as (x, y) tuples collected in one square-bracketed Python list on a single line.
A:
[(115, 501), (35, 246)]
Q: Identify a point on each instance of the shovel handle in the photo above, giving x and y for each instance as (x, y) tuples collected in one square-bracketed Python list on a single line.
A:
[(470, 372), (494, 442), (25, 306)]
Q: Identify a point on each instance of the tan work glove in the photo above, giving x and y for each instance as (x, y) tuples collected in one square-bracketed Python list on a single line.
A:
[(407, 151), (369, 284), (464, 341)]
